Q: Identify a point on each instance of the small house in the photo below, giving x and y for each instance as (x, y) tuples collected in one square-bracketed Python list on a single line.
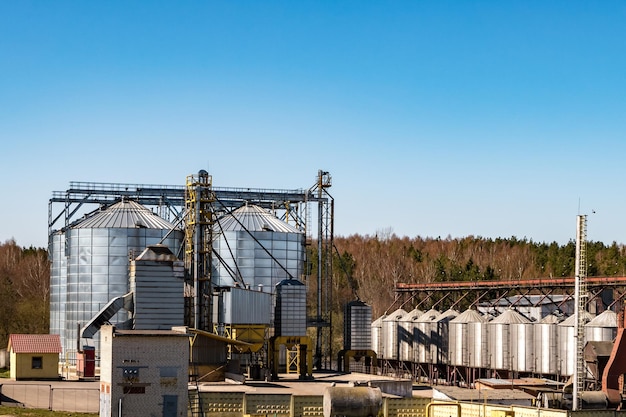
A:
[(34, 356)]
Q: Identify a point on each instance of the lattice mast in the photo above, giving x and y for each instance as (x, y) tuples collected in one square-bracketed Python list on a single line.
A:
[(581, 296), (199, 199)]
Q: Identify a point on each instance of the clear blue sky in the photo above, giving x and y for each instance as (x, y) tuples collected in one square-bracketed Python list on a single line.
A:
[(434, 118)]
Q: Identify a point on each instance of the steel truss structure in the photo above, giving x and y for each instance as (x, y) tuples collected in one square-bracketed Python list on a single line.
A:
[(170, 201)]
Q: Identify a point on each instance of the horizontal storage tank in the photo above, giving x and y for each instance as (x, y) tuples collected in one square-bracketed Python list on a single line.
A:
[(377, 336), (602, 328), (390, 334), (441, 335), (567, 344), (467, 344), (547, 345), (357, 330), (423, 336), (407, 335)]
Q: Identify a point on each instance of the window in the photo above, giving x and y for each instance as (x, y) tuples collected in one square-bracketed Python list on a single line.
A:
[(37, 362)]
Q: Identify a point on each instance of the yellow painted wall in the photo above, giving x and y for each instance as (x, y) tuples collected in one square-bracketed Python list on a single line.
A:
[(21, 366)]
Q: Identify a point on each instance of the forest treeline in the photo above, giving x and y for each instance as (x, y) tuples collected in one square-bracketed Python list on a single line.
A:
[(370, 266), (24, 290), (367, 267)]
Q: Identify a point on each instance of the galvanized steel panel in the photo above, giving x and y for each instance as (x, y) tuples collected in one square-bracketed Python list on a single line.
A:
[(390, 334)]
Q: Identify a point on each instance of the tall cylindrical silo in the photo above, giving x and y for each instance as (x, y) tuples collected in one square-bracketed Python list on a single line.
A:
[(547, 345), (377, 336), (357, 330), (567, 344), (98, 249), (259, 247), (509, 344), (390, 334), (440, 336), (58, 284), (406, 337), (423, 336), (467, 344)]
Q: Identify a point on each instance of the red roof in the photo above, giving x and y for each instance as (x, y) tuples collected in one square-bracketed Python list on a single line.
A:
[(35, 343)]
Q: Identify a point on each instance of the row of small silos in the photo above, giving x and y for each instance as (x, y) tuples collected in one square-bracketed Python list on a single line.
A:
[(507, 342)]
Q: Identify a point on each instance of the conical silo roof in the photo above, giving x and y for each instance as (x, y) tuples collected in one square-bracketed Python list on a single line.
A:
[(550, 319), (414, 314), (396, 315), (253, 218), (125, 215), (447, 315), (469, 316), (510, 317), (428, 316), (607, 318), (571, 320), (379, 321)]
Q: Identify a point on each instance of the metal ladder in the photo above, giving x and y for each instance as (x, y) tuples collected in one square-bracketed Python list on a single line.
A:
[(195, 400), (582, 295)]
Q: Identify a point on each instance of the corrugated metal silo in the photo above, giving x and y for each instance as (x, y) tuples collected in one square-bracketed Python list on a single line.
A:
[(511, 342), (468, 340), (423, 336), (407, 335), (377, 335), (602, 328), (390, 334), (547, 345), (58, 284), (440, 338), (98, 249), (290, 311), (567, 344), (357, 329), (262, 248)]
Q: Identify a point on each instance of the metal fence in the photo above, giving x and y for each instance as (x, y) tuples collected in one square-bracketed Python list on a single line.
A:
[(71, 399)]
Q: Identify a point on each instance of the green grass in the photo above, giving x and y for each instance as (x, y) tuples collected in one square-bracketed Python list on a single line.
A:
[(5, 373), (34, 412)]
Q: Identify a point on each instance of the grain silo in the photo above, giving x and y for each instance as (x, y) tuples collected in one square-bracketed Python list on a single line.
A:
[(290, 310), (567, 344), (407, 335), (423, 336), (546, 335), (602, 328), (511, 342), (357, 329), (377, 335), (97, 251), (390, 334), (467, 344), (440, 336), (255, 248)]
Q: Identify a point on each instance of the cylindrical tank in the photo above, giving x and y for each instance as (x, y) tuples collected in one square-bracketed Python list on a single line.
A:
[(259, 246), (290, 312), (352, 401), (377, 336), (467, 344), (97, 250), (440, 336), (510, 342), (567, 344), (423, 336), (58, 284), (547, 345), (357, 330), (390, 334), (602, 328), (406, 331)]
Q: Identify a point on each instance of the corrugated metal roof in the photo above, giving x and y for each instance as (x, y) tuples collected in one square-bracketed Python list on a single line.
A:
[(428, 316), (571, 320), (550, 319), (396, 315), (510, 317), (35, 343), (254, 219), (125, 215), (469, 316), (607, 318)]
